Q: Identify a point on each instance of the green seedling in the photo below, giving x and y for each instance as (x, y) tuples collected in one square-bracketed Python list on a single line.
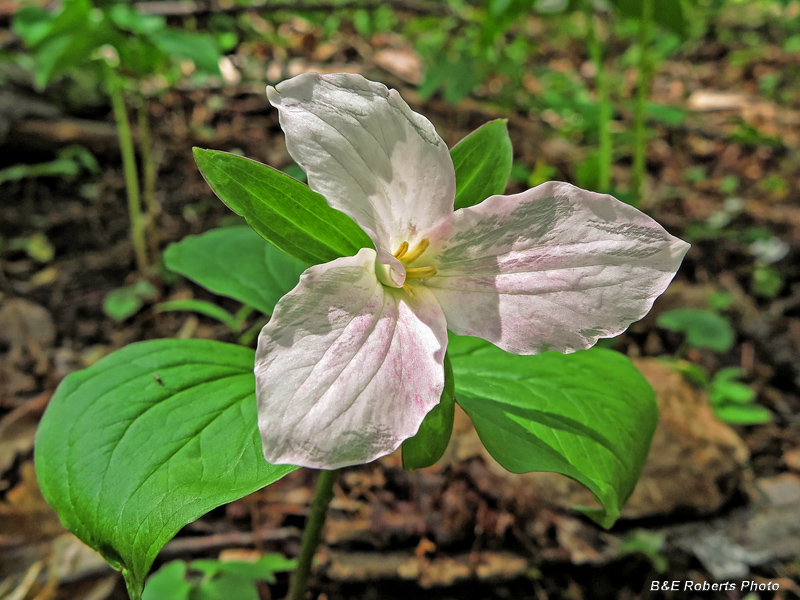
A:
[(214, 579), (121, 47)]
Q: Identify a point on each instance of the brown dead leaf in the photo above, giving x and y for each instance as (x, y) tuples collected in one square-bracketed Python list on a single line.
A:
[(18, 429), (23, 323), (442, 571), (792, 459), (402, 62), (25, 516)]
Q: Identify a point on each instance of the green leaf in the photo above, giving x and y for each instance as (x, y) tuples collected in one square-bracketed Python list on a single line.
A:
[(33, 24), (263, 569), (703, 328), (589, 415), (742, 414), (430, 442), (667, 13), (200, 48), (263, 274), (647, 543), (124, 302), (128, 18), (483, 163), (282, 210), (725, 388), (672, 116), (147, 440), (168, 582), (204, 308), (221, 580)]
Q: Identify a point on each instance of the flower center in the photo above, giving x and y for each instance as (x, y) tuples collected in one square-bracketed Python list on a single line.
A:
[(407, 257)]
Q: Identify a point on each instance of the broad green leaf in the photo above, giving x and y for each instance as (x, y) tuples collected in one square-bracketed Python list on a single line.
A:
[(282, 210), (703, 328), (263, 274), (589, 415), (430, 442), (483, 163), (147, 440)]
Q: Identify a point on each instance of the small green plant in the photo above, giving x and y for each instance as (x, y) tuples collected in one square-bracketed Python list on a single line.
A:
[(126, 301), (70, 162), (121, 47), (765, 279), (36, 246), (648, 544), (734, 402), (731, 400), (214, 579), (703, 328)]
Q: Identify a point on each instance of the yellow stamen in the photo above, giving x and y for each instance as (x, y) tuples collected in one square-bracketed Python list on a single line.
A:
[(420, 272), (401, 251), (409, 258), (407, 287)]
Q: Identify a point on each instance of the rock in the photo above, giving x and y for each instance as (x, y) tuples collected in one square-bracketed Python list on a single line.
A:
[(751, 536)]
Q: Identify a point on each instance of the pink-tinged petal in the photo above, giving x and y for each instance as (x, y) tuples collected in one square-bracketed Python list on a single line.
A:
[(347, 368), (553, 268), (370, 155)]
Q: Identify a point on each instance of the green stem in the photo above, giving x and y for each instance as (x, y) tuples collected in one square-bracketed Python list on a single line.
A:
[(605, 156), (129, 167), (133, 586), (312, 534), (643, 87), (149, 173)]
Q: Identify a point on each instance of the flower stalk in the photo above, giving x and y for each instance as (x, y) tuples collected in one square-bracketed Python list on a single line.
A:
[(643, 87), (129, 167), (605, 110), (312, 534), (149, 173)]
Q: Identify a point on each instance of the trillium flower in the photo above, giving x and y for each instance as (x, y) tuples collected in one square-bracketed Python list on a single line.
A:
[(352, 359)]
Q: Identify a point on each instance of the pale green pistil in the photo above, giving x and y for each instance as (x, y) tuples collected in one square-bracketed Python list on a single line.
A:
[(406, 258)]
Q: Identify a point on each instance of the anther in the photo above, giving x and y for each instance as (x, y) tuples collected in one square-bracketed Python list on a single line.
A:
[(420, 272), (409, 258), (401, 251)]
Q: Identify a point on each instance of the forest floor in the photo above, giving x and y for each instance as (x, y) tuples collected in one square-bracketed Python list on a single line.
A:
[(716, 502)]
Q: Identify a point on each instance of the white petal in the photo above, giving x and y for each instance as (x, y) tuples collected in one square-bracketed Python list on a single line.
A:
[(553, 268), (370, 155), (346, 369)]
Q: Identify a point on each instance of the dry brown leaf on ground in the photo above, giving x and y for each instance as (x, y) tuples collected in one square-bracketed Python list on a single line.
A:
[(441, 571), (18, 429)]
